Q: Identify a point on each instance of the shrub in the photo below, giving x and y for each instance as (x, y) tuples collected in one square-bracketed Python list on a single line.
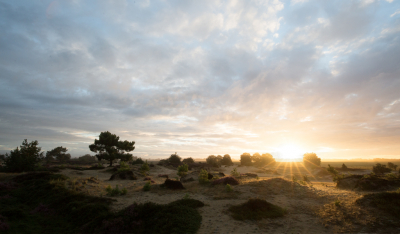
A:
[(228, 188), (256, 209), (235, 173), (182, 170), (332, 170), (311, 159), (145, 168), (174, 159), (392, 166), (123, 167), (226, 160), (203, 177), (25, 158), (115, 191), (337, 203), (213, 160), (305, 178), (262, 160), (147, 186), (380, 169), (245, 159), (344, 167), (188, 160), (138, 161)]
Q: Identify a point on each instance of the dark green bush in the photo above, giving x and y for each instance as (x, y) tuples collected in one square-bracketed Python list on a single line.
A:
[(256, 209)]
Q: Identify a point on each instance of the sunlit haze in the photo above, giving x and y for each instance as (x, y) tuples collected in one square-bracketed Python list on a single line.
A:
[(203, 77)]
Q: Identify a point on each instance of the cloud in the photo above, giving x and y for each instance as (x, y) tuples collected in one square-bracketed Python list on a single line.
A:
[(210, 77)]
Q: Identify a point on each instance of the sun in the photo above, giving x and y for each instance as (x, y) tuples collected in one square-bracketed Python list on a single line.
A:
[(290, 152)]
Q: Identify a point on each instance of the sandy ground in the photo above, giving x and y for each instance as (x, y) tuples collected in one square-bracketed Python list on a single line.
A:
[(310, 205)]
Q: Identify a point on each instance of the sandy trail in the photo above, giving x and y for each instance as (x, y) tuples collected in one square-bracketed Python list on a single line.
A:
[(274, 184)]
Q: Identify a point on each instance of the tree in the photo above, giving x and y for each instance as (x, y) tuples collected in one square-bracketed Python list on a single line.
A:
[(262, 160), (174, 159), (24, 158), (380, 169), (245, 159), (109, 147), (59, 153), (311, 159), (213, 160), (344, 167), (226, 160)]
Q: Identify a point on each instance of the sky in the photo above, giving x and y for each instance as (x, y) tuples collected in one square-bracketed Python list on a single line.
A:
[(203, 77)]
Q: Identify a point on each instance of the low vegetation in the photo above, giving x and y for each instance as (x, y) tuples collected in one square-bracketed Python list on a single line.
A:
[(203, 176), (256, 209), (115, 191)]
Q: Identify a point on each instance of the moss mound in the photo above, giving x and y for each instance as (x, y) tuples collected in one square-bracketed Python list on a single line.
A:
[(388, 202), (173, 184), (177, 217), (226, 180), (256, 209)]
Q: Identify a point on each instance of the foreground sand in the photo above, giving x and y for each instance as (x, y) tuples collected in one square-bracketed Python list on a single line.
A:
[(310, 206)]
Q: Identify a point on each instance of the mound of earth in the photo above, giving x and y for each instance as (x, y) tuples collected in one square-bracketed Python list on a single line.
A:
[(226, 180), (363, 183), (256, 209), (173, 184), (126, 175)]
